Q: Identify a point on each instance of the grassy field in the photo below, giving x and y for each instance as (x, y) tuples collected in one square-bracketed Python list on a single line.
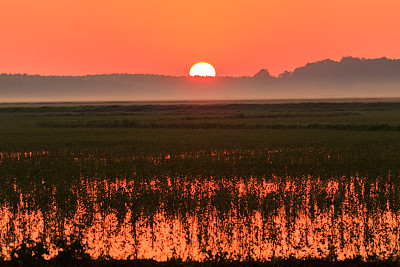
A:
[(201, 181)]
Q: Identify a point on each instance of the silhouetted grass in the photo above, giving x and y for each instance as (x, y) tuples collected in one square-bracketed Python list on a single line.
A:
[(180, 263), (57, 164)]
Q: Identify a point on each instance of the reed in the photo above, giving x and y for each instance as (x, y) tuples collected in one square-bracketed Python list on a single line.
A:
[(202, 182)]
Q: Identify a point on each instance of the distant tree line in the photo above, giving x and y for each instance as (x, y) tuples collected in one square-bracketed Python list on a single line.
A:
[(348, 69)]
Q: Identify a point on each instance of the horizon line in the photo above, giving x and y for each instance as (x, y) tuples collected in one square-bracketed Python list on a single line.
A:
[(188, 76), (285, 100)]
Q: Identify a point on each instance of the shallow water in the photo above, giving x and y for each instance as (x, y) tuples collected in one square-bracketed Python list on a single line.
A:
[(119, 209)]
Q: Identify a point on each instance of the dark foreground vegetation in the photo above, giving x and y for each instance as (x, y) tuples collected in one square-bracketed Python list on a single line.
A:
[(209, 184), (179, 263)]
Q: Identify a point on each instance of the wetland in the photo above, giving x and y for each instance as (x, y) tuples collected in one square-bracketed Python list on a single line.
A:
[(200, 181)]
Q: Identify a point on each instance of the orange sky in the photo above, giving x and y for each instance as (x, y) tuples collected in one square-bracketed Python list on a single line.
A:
[(238, 37)]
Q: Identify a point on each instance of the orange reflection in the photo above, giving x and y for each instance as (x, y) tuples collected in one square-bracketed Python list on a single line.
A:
[(262, 218)]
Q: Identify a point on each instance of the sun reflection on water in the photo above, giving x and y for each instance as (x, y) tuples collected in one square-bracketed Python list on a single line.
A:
[(198, 217)]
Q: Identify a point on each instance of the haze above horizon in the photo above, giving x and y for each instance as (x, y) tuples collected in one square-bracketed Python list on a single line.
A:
[(159, 37)]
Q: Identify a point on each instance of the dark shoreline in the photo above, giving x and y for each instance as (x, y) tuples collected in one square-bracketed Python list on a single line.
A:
[(202, 102)]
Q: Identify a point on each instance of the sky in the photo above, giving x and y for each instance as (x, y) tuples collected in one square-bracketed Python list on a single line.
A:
[(238, 37)]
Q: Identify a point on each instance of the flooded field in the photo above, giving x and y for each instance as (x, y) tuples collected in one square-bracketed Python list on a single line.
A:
[(69, 187)]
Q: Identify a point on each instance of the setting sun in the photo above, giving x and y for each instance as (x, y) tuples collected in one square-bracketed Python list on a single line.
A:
[(202, 69)]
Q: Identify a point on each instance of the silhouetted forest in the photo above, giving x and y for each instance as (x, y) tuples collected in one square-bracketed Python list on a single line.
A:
[(349, 77), (349, 69)]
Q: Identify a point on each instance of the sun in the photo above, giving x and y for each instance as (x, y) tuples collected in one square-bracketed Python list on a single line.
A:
[(202, 69)]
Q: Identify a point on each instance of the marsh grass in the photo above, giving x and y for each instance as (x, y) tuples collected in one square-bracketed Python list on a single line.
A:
[(204, 183)]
